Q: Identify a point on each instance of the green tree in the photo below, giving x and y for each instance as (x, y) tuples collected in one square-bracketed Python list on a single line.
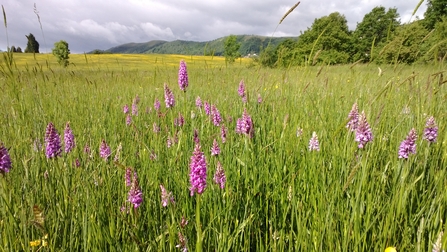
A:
[(13, 49), (61, 52), (32, 46), (327, 40), (407, 46), (231, 49), (437, 42), (374, 31), (19, 49), (268, 57), (285, 53), (436, 10)]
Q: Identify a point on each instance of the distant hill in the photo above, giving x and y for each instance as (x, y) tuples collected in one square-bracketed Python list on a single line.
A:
[(136, 47), (250, 44)]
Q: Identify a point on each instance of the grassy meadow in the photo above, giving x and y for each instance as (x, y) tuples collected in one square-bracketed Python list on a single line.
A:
[(278, 196)]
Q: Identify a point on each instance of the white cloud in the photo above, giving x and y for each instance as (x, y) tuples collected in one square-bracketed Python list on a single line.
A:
[(156, 32)]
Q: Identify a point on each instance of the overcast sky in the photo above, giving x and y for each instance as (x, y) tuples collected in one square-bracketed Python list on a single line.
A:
[(100, 24)]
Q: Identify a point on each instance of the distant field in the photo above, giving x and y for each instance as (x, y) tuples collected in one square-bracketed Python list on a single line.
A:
[(279, 194), (118, 61)]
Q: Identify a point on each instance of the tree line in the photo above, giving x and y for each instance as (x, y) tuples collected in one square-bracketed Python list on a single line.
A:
[(32, 46), (60, 50), (379, 37)]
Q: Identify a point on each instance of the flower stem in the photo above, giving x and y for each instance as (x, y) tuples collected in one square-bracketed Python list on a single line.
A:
[(198, 226)]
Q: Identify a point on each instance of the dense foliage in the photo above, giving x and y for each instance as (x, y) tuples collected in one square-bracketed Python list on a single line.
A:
[(436, 11), (379, 37)]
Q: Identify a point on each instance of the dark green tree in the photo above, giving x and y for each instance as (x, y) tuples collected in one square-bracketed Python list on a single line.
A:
[(327, 40), (231, 49), (436, 10), (62, 52), (32, 46), (19, 50), (13, 49), (374, 30)]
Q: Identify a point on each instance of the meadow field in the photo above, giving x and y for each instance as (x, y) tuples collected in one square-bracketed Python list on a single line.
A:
[(245, 159)]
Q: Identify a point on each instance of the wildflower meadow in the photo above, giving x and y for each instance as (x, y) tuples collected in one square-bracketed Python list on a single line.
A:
[(170, 153)]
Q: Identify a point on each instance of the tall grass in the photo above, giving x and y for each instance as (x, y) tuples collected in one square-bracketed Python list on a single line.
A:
[(279, 196)]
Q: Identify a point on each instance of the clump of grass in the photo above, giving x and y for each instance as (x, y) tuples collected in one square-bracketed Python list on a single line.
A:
[(278, 195), (8, 57)]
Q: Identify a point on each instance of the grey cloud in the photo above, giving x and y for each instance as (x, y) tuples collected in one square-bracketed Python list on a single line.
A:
[(101, 24)]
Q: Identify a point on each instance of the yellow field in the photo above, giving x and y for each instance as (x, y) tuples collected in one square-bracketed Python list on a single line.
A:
[(127, 61)]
